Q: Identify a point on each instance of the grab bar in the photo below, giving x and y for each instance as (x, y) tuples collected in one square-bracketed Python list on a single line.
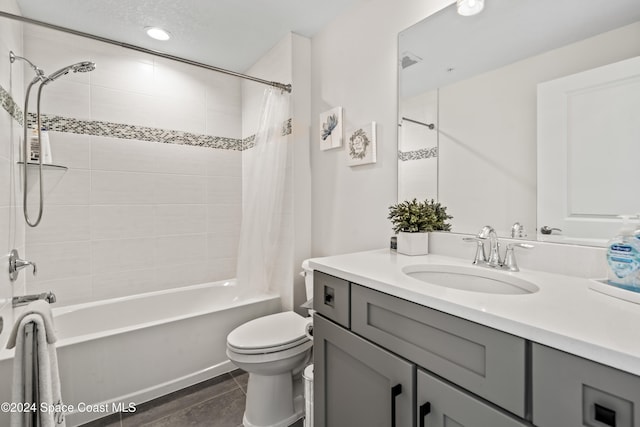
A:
[(49, 297)]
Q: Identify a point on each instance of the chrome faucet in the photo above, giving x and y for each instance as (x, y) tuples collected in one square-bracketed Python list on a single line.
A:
[(517, 231), (49, 297), (16, 264), (494, 260), (488, 232)]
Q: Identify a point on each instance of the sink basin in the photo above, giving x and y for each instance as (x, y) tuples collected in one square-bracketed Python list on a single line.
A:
[(472, 279)]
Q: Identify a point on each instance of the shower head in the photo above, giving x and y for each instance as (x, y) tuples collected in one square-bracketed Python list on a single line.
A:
[(80, 67), (38, 71)]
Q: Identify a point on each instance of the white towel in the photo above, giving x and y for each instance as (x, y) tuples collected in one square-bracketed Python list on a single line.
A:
[(49, 378), (41, 308)]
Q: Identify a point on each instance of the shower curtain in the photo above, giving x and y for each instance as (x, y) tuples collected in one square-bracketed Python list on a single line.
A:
[(263, 201)]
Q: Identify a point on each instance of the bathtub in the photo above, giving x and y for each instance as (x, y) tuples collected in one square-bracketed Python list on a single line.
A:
[(133, 349)]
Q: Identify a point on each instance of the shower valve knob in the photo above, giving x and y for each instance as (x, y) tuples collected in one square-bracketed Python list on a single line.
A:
[(16, 264)]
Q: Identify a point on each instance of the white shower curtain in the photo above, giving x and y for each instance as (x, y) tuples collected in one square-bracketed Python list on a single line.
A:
[(263, 201)]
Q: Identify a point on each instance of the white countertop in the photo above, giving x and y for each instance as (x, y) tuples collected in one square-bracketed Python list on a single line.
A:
[(564, 313)]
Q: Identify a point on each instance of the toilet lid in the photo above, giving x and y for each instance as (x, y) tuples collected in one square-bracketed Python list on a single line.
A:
[(281, 331)]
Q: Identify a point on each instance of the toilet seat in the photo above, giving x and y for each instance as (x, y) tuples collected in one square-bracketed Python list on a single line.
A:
[(269, 334)]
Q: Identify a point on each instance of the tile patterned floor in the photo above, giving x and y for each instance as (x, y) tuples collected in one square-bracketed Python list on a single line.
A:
[(218, 402)]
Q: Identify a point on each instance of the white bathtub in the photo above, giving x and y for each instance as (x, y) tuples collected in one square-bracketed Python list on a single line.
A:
[(137, 348)]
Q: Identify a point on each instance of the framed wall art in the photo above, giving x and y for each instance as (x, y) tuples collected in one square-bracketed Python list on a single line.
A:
[(361, 144), (331, 129)]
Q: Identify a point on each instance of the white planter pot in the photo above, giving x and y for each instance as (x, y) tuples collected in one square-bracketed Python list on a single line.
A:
[(413, 243)]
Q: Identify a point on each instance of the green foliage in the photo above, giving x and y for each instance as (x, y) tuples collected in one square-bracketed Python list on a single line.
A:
[(413, 216)]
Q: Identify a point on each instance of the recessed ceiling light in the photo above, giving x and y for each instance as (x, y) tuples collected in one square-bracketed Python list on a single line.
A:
[(470, 7), (158, 33)]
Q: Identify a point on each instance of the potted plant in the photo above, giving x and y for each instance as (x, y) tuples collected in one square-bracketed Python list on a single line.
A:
[(412, 220)]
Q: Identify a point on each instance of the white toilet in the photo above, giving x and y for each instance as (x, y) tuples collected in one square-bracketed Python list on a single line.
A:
[(274, 350)]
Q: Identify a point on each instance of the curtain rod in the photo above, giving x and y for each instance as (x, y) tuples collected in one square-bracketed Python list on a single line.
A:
[(281, 86), (429, 125)]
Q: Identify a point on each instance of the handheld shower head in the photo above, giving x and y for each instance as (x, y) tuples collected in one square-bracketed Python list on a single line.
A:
[(80, 67)]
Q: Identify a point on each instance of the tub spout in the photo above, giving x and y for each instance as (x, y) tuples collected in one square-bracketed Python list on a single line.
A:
[(49, 297)]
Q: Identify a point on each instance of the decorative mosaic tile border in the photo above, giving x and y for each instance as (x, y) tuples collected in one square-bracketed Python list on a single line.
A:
[(424, 153), (125, 131), (10, 105)]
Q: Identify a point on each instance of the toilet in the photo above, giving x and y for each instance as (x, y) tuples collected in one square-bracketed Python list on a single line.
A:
[(274, 350)]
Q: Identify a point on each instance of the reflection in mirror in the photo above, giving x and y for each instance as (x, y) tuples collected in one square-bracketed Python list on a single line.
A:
[(477, 78)]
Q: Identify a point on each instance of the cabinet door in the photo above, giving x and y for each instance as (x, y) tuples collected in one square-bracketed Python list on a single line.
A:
[(571, 391), (443, 405), (357, 383)]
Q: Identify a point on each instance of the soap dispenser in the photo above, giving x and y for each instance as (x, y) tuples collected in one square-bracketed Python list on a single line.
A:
[(623, 257)]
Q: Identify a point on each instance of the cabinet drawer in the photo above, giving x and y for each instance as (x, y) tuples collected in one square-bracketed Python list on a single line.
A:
[(482, 360), (331, 297), (572, 391), (450, 406)]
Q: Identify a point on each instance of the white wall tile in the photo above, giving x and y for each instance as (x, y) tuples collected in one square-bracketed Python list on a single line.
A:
[(179, 114), (127, 212), (177, 80), (71, 150), (181, 159), (224, 218), (184, 249), (179, 189), (114, 154), (227, 123), (118, 106), (130, 73), (224, 190), (72, 188), (5, 178), (167, 277), (61, 223), (122, 254), (109, 188), (113, 284), (179, 219), (58, 260), (121, 221), (223, 162), (221, 269), (222, 245), (65, 98)]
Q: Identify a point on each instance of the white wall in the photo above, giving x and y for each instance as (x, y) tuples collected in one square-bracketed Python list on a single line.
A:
[(354, 65), (129, 215)]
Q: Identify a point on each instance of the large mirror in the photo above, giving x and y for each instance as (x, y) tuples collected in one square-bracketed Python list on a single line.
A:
[(478, 125)]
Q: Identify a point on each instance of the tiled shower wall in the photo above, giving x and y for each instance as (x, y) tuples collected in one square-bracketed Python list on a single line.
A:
[(11, 230), (132, 216)]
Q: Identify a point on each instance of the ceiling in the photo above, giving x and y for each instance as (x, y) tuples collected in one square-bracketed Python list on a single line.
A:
[(231, 34)]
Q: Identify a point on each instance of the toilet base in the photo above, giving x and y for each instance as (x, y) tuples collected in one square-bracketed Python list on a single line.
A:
[(298, 403), (274, 410)]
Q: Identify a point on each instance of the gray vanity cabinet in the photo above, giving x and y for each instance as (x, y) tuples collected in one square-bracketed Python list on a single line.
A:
[(485, 361), (443, 405), (357, 383), (572, 391)]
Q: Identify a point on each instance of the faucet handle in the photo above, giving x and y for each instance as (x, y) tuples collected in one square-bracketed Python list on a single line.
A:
[(517, 231), (16, 264), (510, 257), (480, 257), (485, 232)]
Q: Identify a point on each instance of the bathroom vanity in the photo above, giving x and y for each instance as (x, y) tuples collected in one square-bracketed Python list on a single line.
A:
[(392, 350)]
